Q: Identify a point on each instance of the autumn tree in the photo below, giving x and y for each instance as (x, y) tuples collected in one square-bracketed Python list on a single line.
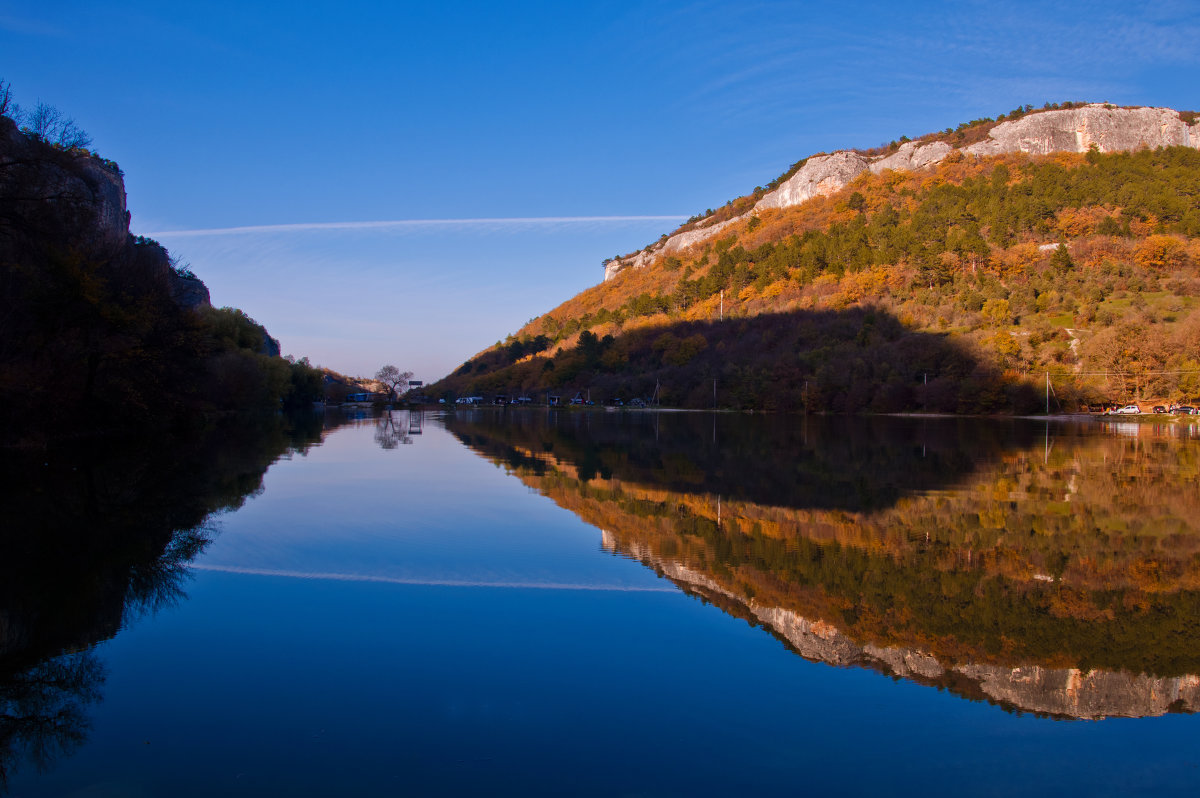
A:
[(1135, 354)]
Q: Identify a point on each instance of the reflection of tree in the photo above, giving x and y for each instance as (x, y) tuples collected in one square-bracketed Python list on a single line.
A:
[(95, 538), (389, 434), (158, 583), (43, 709)]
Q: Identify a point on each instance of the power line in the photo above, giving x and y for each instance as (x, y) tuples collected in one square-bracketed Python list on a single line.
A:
[(1120, 373)]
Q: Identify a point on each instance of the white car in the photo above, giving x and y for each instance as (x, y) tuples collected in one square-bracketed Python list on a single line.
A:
[(1128, 410)]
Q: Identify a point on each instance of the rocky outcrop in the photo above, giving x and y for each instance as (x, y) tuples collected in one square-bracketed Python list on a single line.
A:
[(1057, 692), (74, 202), (676, 243), (77, 198), (1077, 129), (820, 176), (189, 291), (911, 156), (270, 346), (1108, 128)]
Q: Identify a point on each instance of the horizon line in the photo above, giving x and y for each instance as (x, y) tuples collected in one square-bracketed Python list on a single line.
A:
[(384, 224)]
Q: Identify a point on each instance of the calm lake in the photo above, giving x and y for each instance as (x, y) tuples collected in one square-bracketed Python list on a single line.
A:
[(545, 602)]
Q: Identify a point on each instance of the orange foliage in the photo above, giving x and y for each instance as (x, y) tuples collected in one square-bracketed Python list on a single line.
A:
[(1017, 259), (1076, 222), (1161, 252)]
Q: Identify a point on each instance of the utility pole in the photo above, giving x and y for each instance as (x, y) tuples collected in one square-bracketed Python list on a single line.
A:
[(1047, 393), (722, 304)]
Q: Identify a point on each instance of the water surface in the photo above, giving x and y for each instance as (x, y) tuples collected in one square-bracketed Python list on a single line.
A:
[(608, 604)]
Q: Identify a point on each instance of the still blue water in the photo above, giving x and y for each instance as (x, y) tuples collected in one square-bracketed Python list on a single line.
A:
[(416, 620)]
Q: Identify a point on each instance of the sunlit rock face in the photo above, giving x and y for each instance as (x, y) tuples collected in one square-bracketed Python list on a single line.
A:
[(820, 176), (676, 243), (911, 156), (1069, 130), (1077, 129)]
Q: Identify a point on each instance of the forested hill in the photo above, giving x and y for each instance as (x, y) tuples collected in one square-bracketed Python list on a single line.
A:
[(101, 331), (959, 286)]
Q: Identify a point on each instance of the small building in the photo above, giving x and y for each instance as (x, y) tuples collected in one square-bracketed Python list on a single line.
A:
[(365, 396)]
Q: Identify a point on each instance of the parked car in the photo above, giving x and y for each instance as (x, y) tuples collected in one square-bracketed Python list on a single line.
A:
[(1128, 410), (1159, 409), (1186, 410)]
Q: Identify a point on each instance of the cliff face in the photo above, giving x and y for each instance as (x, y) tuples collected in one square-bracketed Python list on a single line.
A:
[(1042, 133), (79, 198), (74, 202)]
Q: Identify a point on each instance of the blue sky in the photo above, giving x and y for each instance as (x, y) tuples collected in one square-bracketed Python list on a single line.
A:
[(540, 119)]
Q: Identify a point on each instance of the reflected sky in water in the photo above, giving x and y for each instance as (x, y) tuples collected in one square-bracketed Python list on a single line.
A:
[(421, 620), (427, 513)]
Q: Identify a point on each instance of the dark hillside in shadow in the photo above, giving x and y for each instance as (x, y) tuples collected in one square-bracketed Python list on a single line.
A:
[(861, 359), (859, 465)]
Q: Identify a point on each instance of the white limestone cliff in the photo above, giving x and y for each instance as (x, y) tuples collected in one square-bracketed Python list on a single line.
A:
[(1109, 128)]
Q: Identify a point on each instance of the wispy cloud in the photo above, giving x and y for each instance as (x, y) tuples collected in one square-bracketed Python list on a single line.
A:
[(30, 27), (395, 224), (396, 580)]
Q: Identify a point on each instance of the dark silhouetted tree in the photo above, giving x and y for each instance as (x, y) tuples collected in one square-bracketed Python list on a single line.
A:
[(394, 378)]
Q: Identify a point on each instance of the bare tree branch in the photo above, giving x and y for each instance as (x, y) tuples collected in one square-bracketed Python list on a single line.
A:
[(394, 378)]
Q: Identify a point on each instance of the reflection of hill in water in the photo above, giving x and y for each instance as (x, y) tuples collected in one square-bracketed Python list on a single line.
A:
[(94, 537), (835, 463), (1057, 692), (1042, 575)]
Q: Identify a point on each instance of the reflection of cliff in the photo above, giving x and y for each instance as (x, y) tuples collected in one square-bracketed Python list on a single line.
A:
[(1066, 552), (1057, 692), (92, 539)]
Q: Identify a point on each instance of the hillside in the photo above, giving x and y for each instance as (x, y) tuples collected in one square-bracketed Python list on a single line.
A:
[(957, 273), (101, 331)]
